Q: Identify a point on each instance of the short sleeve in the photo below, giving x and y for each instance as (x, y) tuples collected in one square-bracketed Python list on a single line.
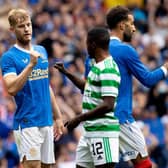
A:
[(110, 81), (7, 65)]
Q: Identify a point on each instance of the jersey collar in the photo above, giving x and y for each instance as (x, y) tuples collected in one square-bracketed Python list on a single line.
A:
[(114, 38), (22, 49)]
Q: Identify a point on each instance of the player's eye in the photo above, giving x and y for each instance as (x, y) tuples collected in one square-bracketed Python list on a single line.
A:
[(20, 26), (28, 24)]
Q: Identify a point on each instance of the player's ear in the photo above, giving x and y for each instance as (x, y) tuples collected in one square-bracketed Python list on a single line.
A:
[(93, 45), (122, 25), (11, 28)]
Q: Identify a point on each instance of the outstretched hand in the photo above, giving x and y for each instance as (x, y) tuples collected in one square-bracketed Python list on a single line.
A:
[(60, 67)]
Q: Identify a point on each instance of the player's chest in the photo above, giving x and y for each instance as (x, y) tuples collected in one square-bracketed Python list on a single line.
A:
[(21, 62)]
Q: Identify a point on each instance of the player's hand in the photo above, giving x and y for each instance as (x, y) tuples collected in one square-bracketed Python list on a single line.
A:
[(60, 67), (73, 123), (34, 55), (58, 128)]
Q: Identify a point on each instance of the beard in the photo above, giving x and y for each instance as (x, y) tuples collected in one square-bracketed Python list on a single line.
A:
[(23, 41), (127, 37)]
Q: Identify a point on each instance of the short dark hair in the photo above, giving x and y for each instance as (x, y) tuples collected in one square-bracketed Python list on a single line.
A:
[(100, 36), (116, 15)]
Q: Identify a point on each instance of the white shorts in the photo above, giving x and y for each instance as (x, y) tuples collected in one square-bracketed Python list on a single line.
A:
[(97, 151), (131, 141), (36, 143)]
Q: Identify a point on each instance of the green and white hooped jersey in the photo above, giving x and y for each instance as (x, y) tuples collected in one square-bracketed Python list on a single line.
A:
[(103, 80)]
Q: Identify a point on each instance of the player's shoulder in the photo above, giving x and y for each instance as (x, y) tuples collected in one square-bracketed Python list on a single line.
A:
[(41, 50), (121, 47), (40, 47), (7, 58), (128, 50), (107, 63), (8, 53), (129, 47)]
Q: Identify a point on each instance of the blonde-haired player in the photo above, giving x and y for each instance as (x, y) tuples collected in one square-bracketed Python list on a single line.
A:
[(25, 72)]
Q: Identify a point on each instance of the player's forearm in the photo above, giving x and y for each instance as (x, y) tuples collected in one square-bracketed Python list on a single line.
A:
[(16, 84), (98, 112), (78, 82), (151, 78), (56, 111)]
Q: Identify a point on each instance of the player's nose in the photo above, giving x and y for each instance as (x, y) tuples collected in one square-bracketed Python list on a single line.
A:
[(134, 29)]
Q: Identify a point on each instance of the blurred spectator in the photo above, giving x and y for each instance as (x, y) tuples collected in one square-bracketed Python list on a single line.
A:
[(161, 18), (4, 131), (160, 154), (157, 97), (2, 151), (140, 17), (164, 50), (11, 152), (10, 106), (152, 36), (154, 123)]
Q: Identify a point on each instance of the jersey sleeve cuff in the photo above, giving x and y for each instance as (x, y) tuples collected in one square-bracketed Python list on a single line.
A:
[(10, 73), (164, 70)]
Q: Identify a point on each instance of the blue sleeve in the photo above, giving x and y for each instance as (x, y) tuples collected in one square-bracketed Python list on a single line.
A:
[(87, 67), (7, 65), (140, 71)]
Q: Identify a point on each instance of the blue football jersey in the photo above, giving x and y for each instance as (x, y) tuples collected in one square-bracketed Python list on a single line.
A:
[(33, 100)]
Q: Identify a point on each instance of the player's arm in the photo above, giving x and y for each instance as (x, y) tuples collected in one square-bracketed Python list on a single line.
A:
[(98, 112), (141, 72), (14, 83), (80, 83), (57, 116), (56, 111)]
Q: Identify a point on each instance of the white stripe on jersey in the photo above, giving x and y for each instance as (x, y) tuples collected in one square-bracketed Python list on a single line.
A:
[(106, 76)]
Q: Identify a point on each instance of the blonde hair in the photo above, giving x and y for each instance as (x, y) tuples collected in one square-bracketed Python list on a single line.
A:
[(16, 16)]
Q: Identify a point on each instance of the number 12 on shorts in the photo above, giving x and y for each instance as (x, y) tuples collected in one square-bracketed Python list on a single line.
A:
[(101, 150), (97, 148)]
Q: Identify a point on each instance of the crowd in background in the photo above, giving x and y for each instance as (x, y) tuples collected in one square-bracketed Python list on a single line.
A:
[(61, 27)]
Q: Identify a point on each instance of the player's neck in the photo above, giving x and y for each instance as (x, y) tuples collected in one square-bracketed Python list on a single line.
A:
[(115, 33), (24, 46), (101, 56)]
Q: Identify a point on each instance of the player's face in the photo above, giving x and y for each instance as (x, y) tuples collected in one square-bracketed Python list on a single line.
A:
[(129, 29), (23, 31)]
